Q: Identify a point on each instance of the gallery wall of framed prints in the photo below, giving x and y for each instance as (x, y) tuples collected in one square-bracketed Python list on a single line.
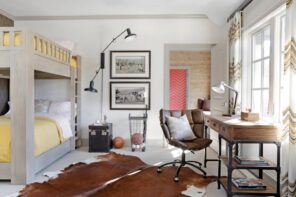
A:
[(128, 66)]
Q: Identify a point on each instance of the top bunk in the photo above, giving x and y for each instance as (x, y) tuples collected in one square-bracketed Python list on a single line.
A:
[(48, 59)]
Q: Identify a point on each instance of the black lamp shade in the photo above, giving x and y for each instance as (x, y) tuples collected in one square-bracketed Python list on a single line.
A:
[(91, 87), (129, 35)]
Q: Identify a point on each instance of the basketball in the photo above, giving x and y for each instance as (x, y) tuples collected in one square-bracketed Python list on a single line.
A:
[(118, 142), (137, 138)]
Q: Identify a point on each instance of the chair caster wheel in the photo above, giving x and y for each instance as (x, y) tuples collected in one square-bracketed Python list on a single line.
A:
[(174, 165), (159, 170), (133, 150), (176, 179)]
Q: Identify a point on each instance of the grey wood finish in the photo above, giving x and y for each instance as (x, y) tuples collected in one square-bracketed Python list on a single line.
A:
[(4, 95), (41, 161), (52, 155), (5, 171), (22, 119), (5, 21), (72, 71), (19, 63)]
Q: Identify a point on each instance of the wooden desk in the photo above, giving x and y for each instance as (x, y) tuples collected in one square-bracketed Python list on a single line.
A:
[(235, 131)]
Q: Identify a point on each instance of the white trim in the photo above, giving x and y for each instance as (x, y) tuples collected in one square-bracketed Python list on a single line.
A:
[(277, 7), (174, 47), (103, 17)]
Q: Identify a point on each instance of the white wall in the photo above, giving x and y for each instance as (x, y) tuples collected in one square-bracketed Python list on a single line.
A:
[(54, 90), (91, 36)]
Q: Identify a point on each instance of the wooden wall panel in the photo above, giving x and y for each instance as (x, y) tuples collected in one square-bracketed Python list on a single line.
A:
[(6, 22), (4, 95), (199, 63)]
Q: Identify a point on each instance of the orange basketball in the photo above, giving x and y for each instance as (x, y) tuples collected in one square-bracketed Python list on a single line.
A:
[(118, 142)]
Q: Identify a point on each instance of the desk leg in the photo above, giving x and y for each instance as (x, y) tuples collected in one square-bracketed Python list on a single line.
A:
[(229, 170), (261, 155), (278, 172), (205, 136), (236, 149), (219, 162)]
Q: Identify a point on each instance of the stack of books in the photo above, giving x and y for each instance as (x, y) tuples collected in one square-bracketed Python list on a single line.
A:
[(251, 160), (248, 183)]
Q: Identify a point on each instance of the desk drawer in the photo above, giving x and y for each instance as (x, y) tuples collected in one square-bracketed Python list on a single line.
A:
[(224, 131), (214, 125)]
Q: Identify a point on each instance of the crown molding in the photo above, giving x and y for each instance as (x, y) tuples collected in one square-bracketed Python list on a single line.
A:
[(111, 17)]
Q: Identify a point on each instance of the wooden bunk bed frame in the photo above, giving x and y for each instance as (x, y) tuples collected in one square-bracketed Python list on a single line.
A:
[(25, 56)]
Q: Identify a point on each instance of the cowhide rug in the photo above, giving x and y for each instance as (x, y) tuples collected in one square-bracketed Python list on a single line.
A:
[(116, 175)]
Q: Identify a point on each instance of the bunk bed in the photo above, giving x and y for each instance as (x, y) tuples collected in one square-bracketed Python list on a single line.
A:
[(25, 56)]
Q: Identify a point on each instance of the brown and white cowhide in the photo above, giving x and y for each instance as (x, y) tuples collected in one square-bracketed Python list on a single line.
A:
[(116, 175)]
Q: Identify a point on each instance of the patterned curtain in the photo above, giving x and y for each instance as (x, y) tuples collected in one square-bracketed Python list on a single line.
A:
[(289, 105), (234, 36)]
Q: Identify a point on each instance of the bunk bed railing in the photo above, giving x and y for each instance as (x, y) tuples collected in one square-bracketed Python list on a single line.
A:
[(45, 47), (12, 38)]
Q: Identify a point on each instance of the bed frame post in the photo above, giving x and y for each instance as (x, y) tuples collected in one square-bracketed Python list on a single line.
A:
[(73, 110), (22, 118)]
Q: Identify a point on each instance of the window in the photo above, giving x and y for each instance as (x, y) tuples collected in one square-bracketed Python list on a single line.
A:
[(282, 57), (260, 71), (263, 59)]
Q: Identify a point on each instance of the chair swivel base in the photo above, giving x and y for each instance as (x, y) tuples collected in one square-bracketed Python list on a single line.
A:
[(182, 163)]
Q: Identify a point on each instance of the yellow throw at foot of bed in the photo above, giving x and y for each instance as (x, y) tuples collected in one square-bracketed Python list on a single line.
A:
[(48, 134)]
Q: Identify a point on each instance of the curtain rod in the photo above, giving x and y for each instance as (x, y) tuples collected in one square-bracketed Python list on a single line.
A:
[(240, 8)]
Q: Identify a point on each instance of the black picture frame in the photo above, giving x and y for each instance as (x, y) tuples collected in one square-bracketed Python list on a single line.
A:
[(135, 64), (131, 96)]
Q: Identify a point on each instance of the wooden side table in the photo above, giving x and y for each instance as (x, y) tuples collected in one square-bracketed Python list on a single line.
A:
[(100, 137)]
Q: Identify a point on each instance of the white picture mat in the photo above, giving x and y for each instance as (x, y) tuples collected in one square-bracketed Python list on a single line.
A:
[(132, 55), (114, 86)]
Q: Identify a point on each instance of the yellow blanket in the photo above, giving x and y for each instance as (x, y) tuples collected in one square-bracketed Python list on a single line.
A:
[(48, 134)]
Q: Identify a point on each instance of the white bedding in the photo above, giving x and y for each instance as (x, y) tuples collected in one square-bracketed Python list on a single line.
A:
[(63, 121)]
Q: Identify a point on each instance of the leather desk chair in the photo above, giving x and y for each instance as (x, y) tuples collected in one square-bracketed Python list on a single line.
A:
[(196, 120)]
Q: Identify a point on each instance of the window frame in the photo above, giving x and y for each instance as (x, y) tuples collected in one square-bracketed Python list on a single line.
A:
[(274, 70), (261, 30)]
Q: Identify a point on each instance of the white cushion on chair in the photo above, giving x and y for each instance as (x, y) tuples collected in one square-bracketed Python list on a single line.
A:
[(180, 128)]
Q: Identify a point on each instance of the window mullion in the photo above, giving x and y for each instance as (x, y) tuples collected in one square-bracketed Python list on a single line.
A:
[(262, 71)]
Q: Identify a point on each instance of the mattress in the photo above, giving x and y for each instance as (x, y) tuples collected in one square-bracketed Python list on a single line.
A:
[(48, 134)]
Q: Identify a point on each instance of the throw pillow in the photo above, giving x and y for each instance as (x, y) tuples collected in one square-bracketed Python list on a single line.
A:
[(206, 105), (180, 128), (41, 105), (60, 108), (9, 110), (200, 103)]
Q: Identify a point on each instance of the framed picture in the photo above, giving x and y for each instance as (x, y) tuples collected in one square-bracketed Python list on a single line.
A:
[(130, 64), (129, 95)]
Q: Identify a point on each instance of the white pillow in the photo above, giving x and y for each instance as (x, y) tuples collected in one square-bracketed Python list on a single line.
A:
[(61, 108), (9, 110), (41, 106), (180, 128)]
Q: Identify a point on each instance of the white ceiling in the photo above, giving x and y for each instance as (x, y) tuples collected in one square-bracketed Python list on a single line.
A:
[(216, 10)]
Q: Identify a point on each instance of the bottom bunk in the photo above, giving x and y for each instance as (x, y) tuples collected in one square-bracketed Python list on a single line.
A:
[(53, 136)]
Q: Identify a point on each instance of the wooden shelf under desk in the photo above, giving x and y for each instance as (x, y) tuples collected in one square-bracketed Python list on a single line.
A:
[(270, 190), (236, 165)]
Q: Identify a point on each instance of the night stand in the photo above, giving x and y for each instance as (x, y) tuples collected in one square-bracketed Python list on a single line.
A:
[(100, 137)]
